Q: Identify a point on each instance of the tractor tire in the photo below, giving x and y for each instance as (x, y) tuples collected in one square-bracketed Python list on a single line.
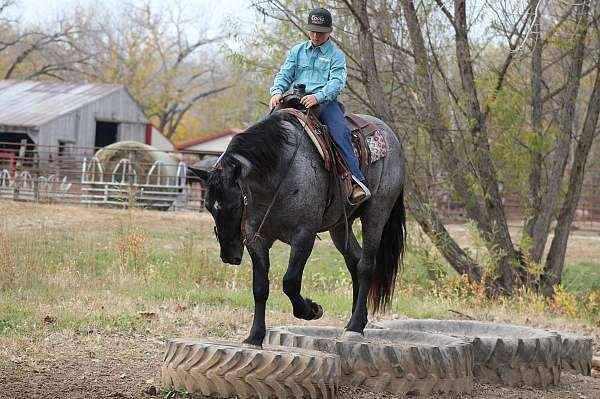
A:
[(576, 353), (504, 354), (225, 370), (397, 362)]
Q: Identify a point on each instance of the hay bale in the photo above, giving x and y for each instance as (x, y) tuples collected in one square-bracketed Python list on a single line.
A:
[(142, 157), (155, 190)]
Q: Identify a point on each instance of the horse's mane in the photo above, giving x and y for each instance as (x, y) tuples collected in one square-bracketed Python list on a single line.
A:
[(262, 143)]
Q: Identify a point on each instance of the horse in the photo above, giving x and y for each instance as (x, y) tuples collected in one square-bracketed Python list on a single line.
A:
[(271, 184)]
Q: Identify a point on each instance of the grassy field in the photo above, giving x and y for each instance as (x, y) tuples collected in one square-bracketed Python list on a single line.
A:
[(91, 269), (72, 273)]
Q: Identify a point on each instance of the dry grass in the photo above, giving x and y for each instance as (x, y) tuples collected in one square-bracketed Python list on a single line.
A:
[(75, 270)]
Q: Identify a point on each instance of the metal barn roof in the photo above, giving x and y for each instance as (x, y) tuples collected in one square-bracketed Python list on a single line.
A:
[(31, 104), (190, 143)]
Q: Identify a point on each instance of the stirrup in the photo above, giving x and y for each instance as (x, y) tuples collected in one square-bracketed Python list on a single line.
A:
[(365, 193)]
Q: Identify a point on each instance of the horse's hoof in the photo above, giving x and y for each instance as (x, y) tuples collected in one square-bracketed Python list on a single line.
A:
[(251, 343), (317, 311), (352, 336)]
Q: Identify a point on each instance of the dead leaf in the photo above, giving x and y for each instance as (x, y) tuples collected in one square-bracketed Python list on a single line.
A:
[(180, 308), (147, 314), (49, 319)]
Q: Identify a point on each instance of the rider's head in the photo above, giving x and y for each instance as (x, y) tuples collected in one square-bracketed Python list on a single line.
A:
[(319, 26)]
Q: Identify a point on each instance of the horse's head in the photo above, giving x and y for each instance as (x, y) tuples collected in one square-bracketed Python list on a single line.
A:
[(223, 200)]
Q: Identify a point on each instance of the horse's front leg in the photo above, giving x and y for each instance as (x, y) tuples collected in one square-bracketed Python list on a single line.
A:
[(304, 308), (259, 252)]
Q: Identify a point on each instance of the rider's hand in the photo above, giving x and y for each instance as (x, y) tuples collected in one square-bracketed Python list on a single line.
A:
[(275, 100), (309, 101)]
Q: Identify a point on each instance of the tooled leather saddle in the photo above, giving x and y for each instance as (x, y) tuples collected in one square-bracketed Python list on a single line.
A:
[(367, 139)]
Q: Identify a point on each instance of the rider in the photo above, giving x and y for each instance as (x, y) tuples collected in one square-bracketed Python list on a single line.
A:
[(321, 66)]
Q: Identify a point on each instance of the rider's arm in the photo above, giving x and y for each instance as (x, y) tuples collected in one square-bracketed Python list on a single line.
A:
[(285, 76), (337, 79)]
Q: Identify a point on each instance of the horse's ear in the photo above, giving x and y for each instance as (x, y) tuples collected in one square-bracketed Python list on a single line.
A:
[(202, 174)]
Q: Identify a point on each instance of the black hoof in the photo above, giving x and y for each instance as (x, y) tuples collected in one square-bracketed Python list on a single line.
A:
[(316, 310), (253, 342)]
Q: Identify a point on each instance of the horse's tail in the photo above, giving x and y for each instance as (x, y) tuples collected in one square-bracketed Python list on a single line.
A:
[(389, 257)]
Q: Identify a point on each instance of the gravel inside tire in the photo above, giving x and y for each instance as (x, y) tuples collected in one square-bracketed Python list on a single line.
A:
[(398, 362), (576, 353), (504, 354), (223, 369)]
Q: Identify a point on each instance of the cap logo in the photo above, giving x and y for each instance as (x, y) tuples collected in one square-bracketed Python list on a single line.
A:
[(317, 19)]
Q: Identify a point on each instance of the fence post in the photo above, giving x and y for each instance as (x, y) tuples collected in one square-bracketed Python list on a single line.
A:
[(18, 169), (131, 199), (36, 177)]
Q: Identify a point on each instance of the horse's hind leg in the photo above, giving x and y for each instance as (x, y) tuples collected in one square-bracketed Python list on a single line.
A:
[(372, 228), (351, 254), (259, 252), (301, 248)]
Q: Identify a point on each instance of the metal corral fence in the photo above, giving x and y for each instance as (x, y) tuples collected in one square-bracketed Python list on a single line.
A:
[(139, 175), (136, 175)]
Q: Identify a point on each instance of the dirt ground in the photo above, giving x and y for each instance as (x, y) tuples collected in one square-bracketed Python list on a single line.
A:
[(93, 365)]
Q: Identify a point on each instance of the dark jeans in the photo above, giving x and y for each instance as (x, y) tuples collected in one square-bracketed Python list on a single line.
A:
[(333, 117)]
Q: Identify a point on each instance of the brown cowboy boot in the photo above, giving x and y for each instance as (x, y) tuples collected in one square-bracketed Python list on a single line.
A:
[(360, 192)]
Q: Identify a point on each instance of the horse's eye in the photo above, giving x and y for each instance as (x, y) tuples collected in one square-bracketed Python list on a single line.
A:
[(216, 206)]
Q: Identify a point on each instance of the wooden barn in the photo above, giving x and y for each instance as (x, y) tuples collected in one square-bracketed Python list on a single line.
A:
[(62, 115)]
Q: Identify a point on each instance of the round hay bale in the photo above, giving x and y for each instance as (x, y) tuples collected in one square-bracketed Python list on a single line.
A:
[(142, 158), (139, 173)]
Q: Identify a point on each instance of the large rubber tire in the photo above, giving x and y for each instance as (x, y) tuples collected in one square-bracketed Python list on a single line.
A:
[(576, 353), (397, 362), (504, 354), (225, 370)]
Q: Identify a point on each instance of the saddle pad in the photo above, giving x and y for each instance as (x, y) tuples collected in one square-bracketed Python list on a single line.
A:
[(369, 136), (378, 147)]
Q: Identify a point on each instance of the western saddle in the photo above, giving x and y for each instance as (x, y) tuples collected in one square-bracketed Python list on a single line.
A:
[(362, 132)]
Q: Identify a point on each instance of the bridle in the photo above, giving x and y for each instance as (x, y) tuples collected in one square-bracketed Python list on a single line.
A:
[(244, 203)]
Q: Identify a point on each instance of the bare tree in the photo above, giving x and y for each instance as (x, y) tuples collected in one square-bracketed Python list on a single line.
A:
[(33, 52), (162, 59), (454, 91)]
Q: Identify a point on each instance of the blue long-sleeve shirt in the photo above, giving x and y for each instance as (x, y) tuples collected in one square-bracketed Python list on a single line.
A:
[(322, 69)]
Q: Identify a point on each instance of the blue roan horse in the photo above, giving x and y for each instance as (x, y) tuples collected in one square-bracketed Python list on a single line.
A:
[(276, 156)]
